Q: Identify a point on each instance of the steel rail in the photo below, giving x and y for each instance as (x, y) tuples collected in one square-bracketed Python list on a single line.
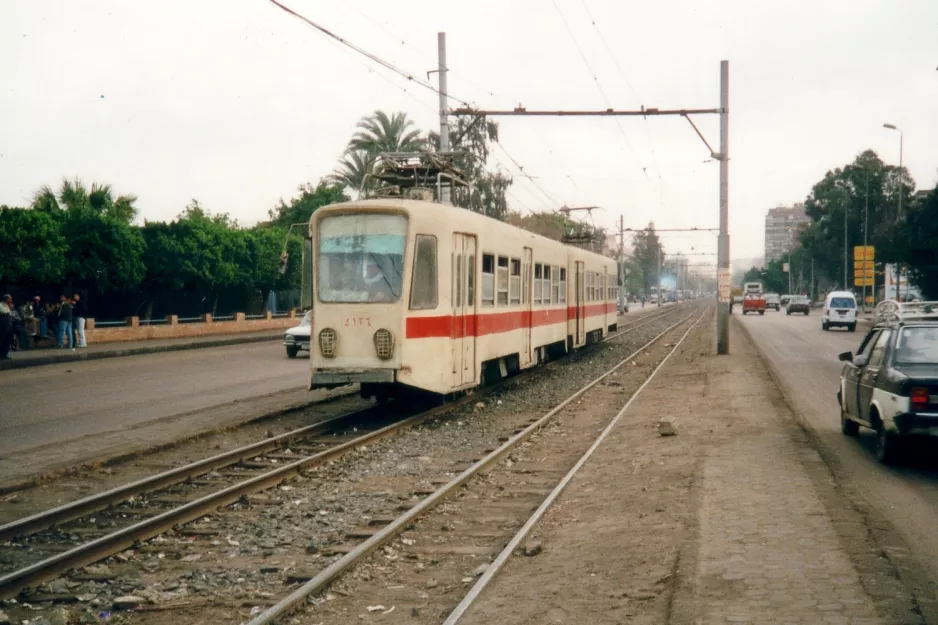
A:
[(295, 599), (92, 551), (522, 533), (100, 501), (103, 500), (102, 547)]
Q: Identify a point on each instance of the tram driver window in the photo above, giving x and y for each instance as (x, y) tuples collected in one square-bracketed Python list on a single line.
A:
[(514, 282), (538, 271), (488, 280), (563, 285), (423, 290)]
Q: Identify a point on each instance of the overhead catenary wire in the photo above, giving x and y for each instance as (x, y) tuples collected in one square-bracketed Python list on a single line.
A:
[(599, 86), (375, 58)]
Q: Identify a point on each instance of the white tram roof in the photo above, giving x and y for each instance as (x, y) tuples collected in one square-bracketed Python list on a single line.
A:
[(465, 219)]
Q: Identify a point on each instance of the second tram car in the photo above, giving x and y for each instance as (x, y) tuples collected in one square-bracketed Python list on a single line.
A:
[(416, 294)]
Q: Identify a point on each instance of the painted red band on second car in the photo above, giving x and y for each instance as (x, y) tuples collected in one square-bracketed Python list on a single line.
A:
[(458, 326)]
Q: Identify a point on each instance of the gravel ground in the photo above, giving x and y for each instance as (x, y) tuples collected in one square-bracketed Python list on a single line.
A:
[(222, 568)]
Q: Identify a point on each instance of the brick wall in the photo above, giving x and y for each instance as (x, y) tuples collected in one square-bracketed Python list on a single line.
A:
[(172, 329)]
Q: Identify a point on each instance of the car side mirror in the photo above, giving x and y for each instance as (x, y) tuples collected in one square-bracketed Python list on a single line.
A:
[(860, 360), (845, 356)]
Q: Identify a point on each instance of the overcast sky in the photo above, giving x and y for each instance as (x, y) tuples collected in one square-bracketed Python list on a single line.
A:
[(236, 103)]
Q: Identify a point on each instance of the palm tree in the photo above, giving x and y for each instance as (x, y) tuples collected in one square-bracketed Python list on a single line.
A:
[(379, 133), (44, 200), (352, 170), (73, 194)]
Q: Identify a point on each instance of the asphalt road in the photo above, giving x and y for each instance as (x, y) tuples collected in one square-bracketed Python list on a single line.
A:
[(56, 403), (805, 358)]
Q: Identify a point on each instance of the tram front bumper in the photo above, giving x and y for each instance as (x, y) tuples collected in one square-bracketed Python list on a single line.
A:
[(340, 377)]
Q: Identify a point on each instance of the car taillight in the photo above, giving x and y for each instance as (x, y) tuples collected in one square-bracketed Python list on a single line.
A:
[(328, 340), (919, 397)]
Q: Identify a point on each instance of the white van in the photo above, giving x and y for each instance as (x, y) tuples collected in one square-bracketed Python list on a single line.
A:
[(840, 309)]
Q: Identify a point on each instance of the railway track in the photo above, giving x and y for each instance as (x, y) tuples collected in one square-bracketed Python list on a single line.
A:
[(49, 544), (531, 496)]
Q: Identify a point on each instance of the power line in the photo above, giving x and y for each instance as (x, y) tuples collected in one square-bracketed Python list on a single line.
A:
[(549, 197), (599, 86), (386, 64)]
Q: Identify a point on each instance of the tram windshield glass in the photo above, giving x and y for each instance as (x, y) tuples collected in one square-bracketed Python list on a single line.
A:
[(361, 257)]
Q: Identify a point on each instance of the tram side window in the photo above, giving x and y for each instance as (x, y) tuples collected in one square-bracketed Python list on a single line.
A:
[(545, 285), (471, 280), (502, 281), (423, 290), (488, 280), (514, 282), (563, 285), (555, 285), (589, 286), (538, 274)]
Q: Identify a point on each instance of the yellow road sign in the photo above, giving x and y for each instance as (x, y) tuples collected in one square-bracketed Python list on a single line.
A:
[(863, 252), (863, 264)]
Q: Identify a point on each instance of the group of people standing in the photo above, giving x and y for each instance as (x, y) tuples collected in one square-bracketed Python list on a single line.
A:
[(22, 326)]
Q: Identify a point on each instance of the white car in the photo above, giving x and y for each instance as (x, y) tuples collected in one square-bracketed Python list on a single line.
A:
[(840, 309), (297, 338)]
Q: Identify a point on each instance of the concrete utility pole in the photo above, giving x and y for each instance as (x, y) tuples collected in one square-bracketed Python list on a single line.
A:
[(621, 261), (658, 276), (723, 240), (444, 111), (899, 216)]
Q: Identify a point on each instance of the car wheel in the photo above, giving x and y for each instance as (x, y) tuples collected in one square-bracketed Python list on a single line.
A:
[(887, 445), (806, 313), (761, 312), (852, 327), (292, 352), (788, 312), (848, 427), (824, 326)]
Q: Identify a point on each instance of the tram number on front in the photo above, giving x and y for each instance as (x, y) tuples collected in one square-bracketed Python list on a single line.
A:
[(357, 322)]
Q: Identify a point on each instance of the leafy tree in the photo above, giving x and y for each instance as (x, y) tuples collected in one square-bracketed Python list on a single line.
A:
[(844, 192), (487, 189), (376, 134), (352, 171), (34, 250), (381, 132), (921, 252), (301, 208), (647, 248)]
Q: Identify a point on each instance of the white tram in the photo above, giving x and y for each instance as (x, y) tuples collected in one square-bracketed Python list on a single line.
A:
[(422, 295)]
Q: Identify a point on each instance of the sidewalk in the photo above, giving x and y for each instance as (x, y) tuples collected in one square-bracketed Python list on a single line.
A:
[(734, 520), (49, 356)]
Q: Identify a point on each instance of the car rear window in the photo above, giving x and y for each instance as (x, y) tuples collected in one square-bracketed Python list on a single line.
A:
[(917, 346), (843, 302)]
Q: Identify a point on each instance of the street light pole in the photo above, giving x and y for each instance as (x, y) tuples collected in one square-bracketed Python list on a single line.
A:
[(899, 216)]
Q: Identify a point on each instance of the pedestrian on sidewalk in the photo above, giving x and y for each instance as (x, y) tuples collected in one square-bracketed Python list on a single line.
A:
[(65, 323), (19, 328), (6, 326), (39, 311), (79, 312)]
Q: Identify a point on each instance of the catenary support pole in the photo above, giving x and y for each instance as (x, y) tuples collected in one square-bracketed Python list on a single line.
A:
[(444, 121), (723, 252)]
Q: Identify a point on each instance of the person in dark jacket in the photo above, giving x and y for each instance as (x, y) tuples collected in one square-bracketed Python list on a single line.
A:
[(65, 323), (6, 326)]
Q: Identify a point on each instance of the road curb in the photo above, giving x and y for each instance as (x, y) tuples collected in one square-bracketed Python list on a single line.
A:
[(74, 356)]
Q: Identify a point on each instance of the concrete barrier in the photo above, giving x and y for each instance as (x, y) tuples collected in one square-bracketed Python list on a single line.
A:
[(171, 328)]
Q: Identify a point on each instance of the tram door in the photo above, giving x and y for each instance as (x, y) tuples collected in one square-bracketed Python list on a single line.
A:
[(464, 310), (526, 268), (580, 304)]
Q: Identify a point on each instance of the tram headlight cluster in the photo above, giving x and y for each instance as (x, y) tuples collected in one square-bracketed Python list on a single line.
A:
[(328, 342), (384, 344)]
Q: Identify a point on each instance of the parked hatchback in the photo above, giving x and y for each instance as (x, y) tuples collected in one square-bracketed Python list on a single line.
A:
[(840, 310), (891, 384)]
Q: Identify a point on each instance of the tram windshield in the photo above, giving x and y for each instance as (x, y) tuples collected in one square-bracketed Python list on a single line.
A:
[(361, 257)]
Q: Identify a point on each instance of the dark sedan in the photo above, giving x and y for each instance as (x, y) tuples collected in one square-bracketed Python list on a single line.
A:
[(798, 305), (891, 385)]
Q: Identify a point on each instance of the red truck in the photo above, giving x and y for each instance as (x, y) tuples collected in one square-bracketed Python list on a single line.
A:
[(754, 302)]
